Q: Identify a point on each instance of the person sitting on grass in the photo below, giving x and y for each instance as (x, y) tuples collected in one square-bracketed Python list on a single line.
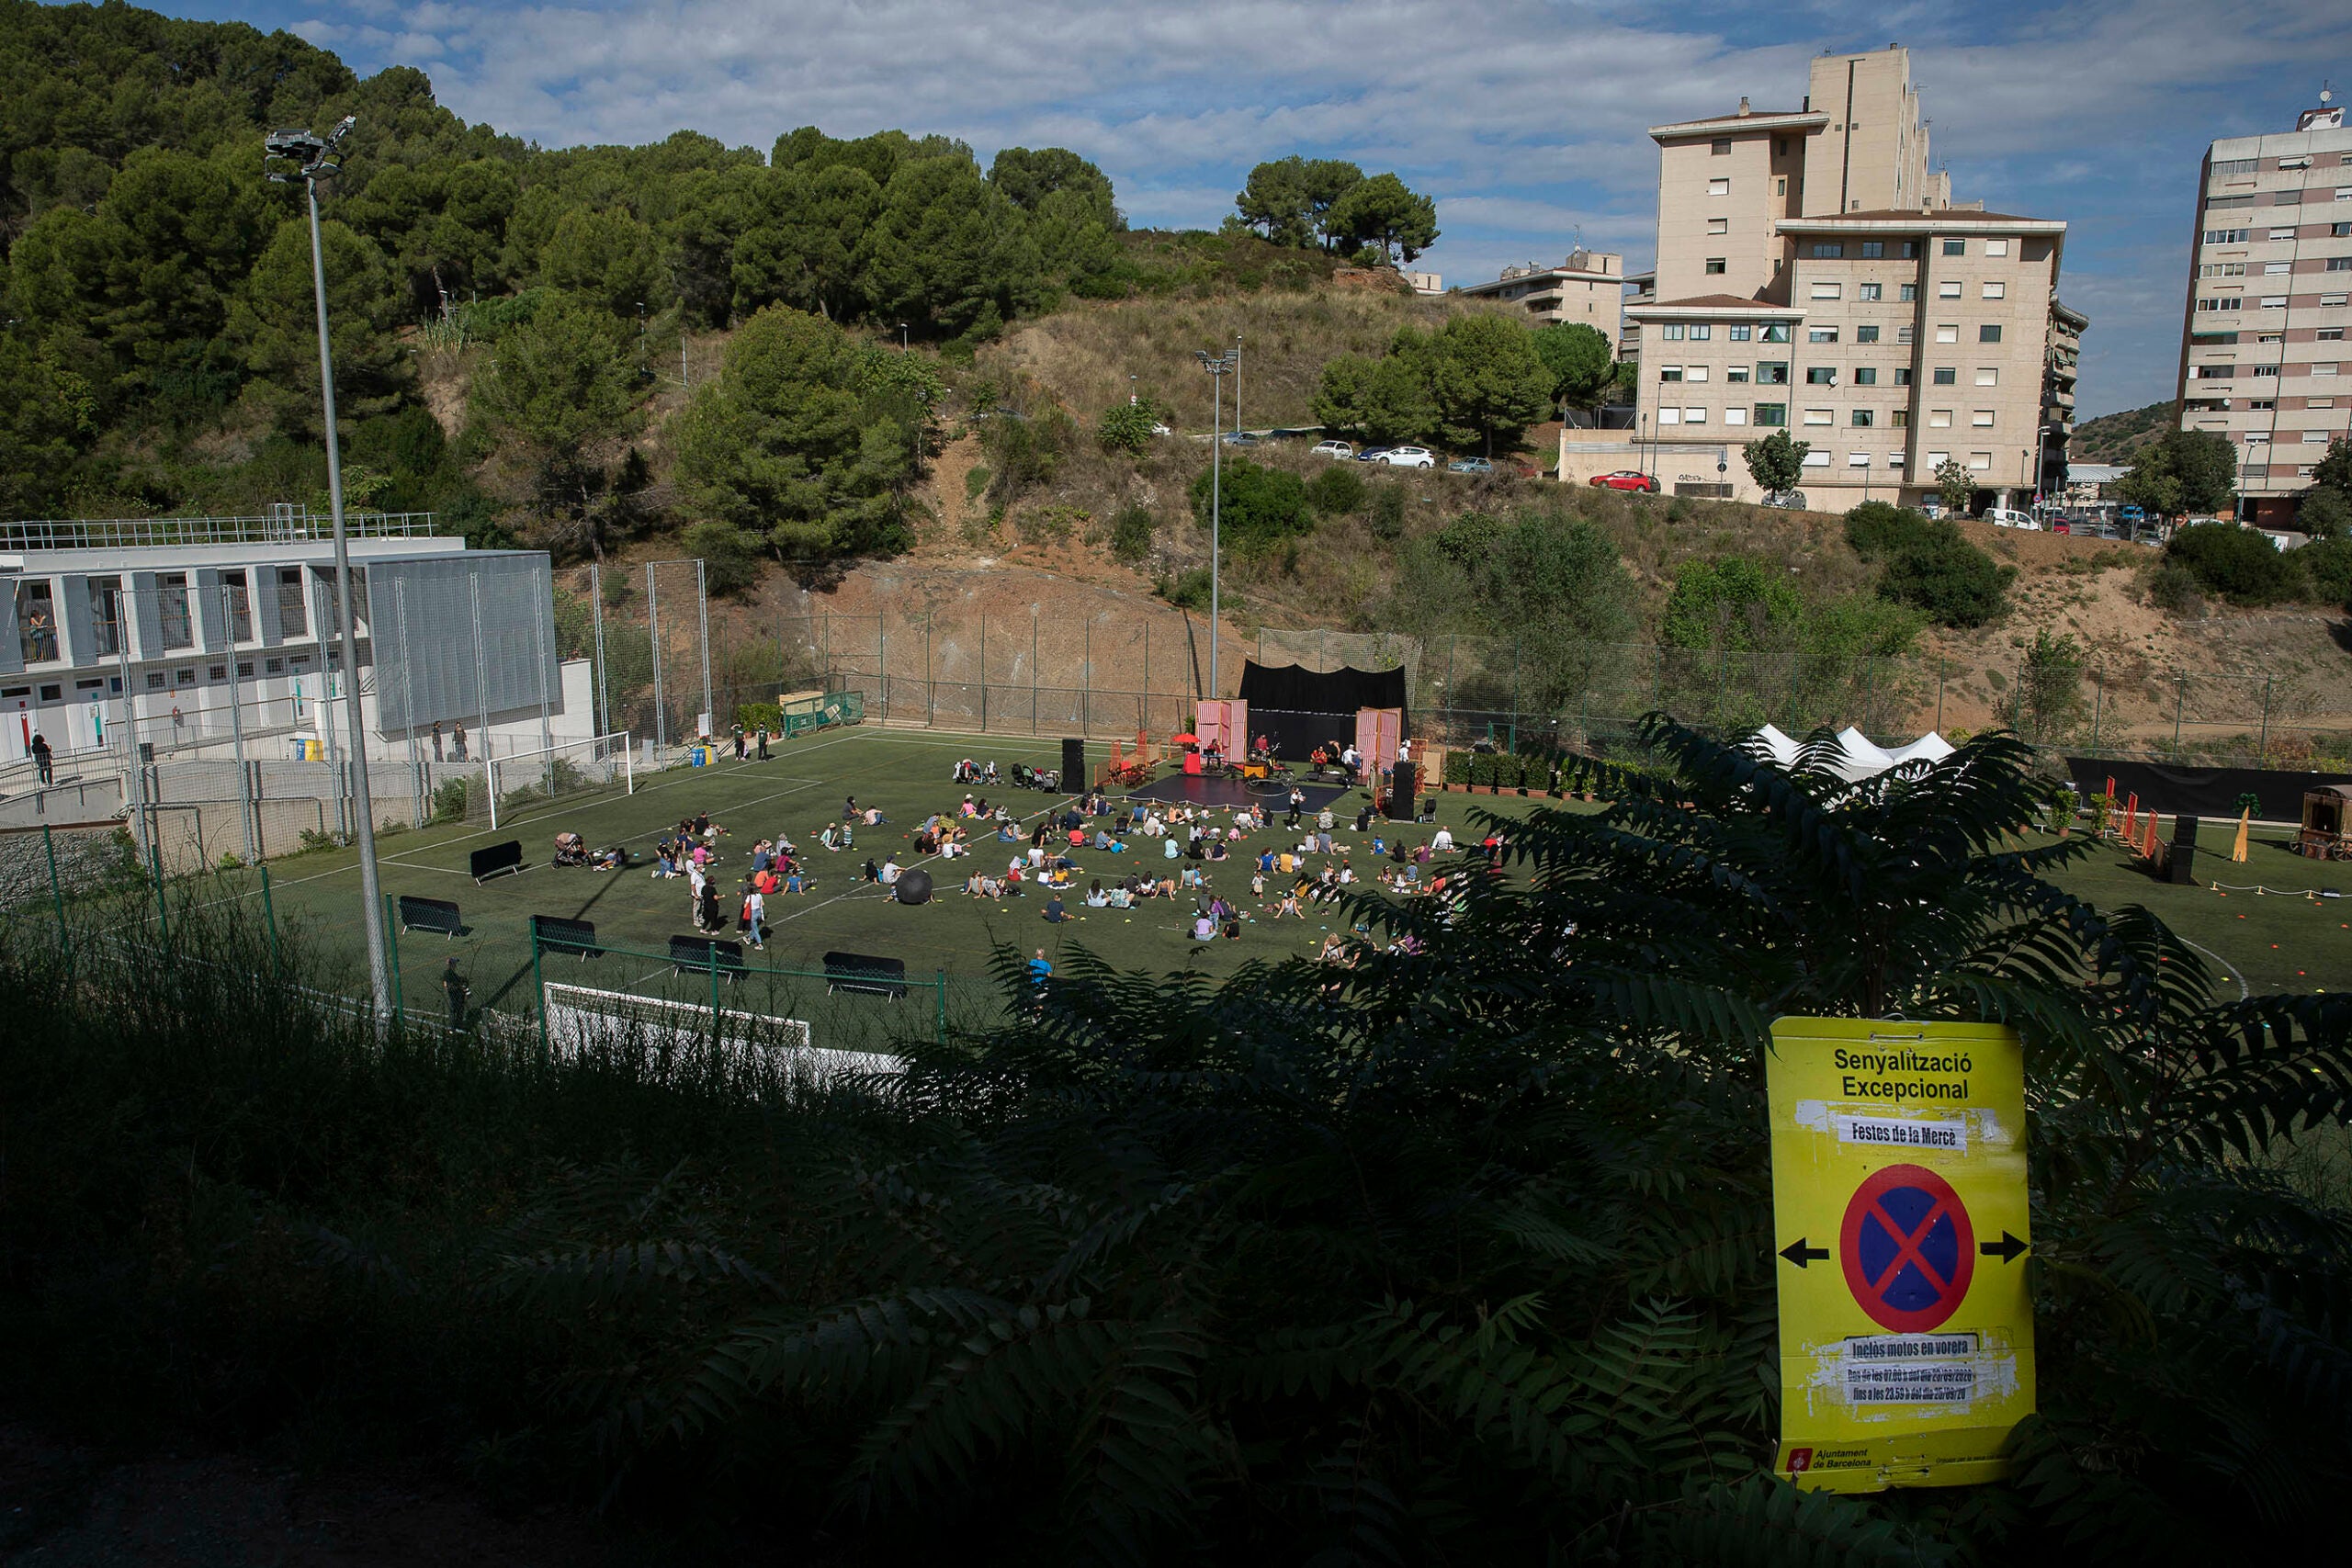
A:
[(1095, 898), (953, 848), (665, 861), (1054, 913), (798, 881), (871, 873), (1289, 906), (613, 859), (874, 817), (890, 873), (1191, 877), (831, 839), (1204, 927), (1217, 848)]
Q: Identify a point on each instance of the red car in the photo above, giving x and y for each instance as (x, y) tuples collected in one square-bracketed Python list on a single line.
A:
[(1626, 478)]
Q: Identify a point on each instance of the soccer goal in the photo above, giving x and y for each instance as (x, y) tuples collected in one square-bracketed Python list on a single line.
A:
[(514, 784), (584, 1019)]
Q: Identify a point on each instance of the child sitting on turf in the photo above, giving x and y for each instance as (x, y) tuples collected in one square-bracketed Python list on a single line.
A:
[(665, 860)]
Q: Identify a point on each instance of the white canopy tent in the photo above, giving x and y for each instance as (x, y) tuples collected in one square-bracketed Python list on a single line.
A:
[(1862, 757)]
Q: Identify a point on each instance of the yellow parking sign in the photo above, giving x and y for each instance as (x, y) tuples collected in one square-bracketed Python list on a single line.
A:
[(1901, 1227)]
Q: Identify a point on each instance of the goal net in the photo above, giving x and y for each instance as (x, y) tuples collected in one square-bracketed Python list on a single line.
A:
[(516, 783), (661, 1035)]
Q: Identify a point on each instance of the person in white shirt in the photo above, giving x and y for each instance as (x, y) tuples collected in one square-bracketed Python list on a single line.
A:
[(890, 870), (1443, 842)]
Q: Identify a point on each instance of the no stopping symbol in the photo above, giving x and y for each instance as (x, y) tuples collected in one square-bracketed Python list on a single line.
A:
[(1907, 1248)]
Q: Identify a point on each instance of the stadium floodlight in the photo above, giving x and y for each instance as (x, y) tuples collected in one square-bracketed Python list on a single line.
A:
[(1218, 367), (292, 156)]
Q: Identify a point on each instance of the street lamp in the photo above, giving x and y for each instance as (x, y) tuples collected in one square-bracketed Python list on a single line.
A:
[(903, 337), (294, 156), (1218, 367)]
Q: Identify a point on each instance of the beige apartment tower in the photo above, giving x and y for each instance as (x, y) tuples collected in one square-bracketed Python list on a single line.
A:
[(1813, 274), (1587, 288), (2263, 354)]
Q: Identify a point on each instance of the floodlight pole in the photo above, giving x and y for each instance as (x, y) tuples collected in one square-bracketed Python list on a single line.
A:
[(319, 159), (1219, 369)]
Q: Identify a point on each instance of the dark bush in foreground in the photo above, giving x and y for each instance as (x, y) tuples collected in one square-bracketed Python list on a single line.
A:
[(1458, 1257)]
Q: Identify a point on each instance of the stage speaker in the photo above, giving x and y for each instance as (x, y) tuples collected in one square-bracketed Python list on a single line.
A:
[(2180, 857), (1074, 764), (2184, 830), (1401, 785)]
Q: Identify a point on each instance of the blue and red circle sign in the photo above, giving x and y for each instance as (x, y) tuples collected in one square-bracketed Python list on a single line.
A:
[(1907, 1248)]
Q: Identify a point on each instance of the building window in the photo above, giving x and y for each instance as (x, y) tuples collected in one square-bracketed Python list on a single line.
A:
[(1947, 331), (1671, 333), (1948, 289), (154, 680), (1820, 376), (1989, 376), (1720, 147), (1865, 334), (2221, 269), (1900, 419), (1866, 291), (1864, 418), (1980, 460), (1735, 415), (2235, 167), (2257, 438), (1996, 292), (1906, 292), (172, 600), (1866, 375), (1903, 374), (2221, 303), (1718, 225), (1945, 375), (1874, 248), (2327, 369), (1996, 247), (2287, 233), (1989, 332), (1781, 185), (1778, 332), (1694, 416), (1670, 373), (1937, 459), (2228, 236), (2330, 335), (1772, 414), (1702, 330), (2275, 269), (215, 673), (1821, 334), (1695, 373), (1816, 459), (2338, 263), (2331, 301), (1940, 419), (1820, 416), (1772, 372), (1715, 266), (1981, 419), (244, 670), (2314, 438), (1669, 416), (1903, 334), (1955, 248), (2271, 302), (1739, 331), (1857, 460), (1719, 186), (1894, 459), (1735, 373), (1827, 290), (1827, 250)]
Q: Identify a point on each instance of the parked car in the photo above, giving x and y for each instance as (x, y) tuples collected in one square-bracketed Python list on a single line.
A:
[(1626, 479), (1523, 468), (1786, 500), (1372, 455), (1933, 511), (1410, 457), (1331, 449), (2010, 517), (1470, 465), (1243, 438)]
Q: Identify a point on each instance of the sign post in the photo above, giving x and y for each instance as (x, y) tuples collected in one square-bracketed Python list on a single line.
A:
[(1901, 1223)]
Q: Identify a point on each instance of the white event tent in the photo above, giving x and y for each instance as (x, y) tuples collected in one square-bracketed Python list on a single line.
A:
[(1862, 757)]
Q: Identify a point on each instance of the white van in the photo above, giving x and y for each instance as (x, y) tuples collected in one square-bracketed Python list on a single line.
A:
[(2009, 517)]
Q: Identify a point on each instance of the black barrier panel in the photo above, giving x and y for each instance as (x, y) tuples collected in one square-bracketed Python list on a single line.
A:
[(2201, 792), (430, 915), (692, 954), (490, 862), (1310, 708), (865, 974), (557, 934)]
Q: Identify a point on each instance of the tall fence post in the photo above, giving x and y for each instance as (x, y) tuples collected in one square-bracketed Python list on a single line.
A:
[(269, 919), (57, 896), (940, 986), (393, 930), (2262, 752), (2099, 702), (930, 681), (596, 620), (2179, 702), (540, 992), (1032, 669), (702, 613), (711, 954), (1939, 694), (653, 634), (984, 672)]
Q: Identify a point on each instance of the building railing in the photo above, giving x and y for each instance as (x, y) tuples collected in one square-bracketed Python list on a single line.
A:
[(138, 533)]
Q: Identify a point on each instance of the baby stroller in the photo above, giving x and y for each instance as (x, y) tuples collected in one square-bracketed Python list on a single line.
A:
[(571, 850), (1024, 776)]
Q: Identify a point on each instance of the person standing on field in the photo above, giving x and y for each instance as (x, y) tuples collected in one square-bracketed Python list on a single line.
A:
[(457, 739), (437, 740), (453, 987)]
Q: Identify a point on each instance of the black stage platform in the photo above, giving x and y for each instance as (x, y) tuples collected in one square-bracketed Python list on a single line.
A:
[(1192, 789)]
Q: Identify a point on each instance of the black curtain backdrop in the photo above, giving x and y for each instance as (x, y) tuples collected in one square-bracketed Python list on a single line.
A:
[(1307, 708), (2201, 792)]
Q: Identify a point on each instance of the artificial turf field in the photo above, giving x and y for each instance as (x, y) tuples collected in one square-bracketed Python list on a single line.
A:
[(2274, 942)]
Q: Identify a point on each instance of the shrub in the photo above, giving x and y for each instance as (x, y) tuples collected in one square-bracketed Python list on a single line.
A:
[(2326, 513), (2327, 567), (2175, 588), (1187, 591), (1128, 427), (1336, 492), (1951, 581), (1131, 533), (1876, 529), (1258, 507), (1388, 513), (1482, 767), (1048, 525), (1457, 766), (2239, 564), (731, 562)]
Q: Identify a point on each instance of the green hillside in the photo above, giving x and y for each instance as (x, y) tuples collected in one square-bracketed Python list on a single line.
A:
[(2114, 438)]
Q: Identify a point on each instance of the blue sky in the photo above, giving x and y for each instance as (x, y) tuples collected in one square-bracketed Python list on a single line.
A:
[(1525, 118)]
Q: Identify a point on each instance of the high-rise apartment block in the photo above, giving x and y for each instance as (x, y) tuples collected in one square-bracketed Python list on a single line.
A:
[(1588, 288), (1814, 274), (2263, 357)]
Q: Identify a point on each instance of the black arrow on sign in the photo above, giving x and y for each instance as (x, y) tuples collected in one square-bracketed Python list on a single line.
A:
[(2005, 1249), (1798, 1253)]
